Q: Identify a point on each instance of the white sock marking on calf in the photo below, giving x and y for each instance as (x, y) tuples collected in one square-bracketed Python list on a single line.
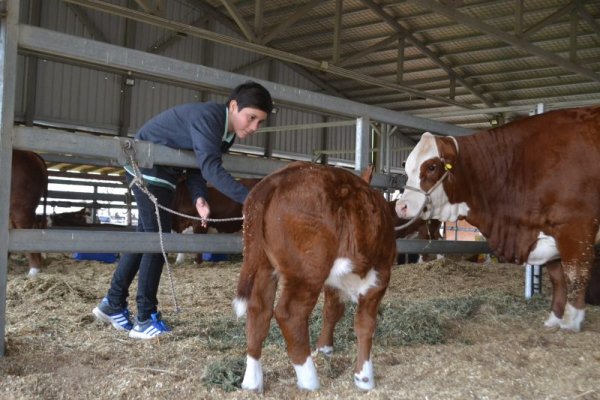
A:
[(350, 284), (553, 321), (326, 351), (33, 271), (365, 380), (307, 375), (240, 306), (253, 377), (181, 256), (572, 318)]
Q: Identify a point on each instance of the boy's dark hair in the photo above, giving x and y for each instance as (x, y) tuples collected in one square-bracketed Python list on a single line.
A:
[(252, 94)]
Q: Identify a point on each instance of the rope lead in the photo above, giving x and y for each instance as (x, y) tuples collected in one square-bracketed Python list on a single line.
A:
[(138, 181)]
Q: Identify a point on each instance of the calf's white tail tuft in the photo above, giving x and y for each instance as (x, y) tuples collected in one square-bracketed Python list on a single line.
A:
[(240, 306)]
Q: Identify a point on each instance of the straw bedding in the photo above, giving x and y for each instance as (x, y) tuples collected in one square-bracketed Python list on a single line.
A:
[(447, 330)]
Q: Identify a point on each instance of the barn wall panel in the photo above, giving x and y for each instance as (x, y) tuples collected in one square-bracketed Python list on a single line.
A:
[(74, 95), (79, 96), (400, 149), (20, 89)]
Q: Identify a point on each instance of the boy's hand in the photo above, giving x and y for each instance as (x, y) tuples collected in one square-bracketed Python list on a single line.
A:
[(203, 209)]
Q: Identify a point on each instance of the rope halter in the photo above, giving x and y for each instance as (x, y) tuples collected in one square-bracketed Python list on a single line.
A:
[(427, 195)]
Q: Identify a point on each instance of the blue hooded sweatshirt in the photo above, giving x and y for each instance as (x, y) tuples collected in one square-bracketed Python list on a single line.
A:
[(201, 127)]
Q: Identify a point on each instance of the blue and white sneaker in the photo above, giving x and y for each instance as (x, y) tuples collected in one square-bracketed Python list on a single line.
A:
[(117, 317), (150, 328)]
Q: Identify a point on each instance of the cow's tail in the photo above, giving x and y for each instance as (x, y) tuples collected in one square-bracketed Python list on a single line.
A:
[(254, 254)]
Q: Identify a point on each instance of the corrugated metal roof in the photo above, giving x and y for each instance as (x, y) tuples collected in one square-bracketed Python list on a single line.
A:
[(443, 44)]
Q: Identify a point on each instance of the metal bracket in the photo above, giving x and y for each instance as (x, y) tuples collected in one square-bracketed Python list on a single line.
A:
[(141, 152)]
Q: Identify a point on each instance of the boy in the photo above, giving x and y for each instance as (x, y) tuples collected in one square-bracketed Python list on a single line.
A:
[(209, 129)]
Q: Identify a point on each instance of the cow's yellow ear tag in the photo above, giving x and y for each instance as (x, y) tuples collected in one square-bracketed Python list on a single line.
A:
[(447, 166)]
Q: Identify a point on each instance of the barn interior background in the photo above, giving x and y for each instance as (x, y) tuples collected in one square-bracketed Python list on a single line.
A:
[(355, 81)]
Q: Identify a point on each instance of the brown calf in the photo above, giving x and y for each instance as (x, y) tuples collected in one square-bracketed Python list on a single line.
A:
[(312, 228)]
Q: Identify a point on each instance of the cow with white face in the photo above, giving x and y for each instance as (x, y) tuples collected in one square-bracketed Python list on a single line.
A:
[(428, 200), (532, 187)]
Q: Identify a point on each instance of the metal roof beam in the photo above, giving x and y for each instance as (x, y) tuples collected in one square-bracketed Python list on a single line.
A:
[(211, 12), (88, 23), (337, 31), (239, 20), (256, 48), (289, 20), (170, 38), (587, 17), (424, 49), (548, 20), (475, 23), (550, 38), (259, 20), (320, 83), (377, 46), (514, 108), (156, 7)]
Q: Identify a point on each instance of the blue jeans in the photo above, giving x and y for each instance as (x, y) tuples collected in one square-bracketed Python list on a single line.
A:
[(148, 266)]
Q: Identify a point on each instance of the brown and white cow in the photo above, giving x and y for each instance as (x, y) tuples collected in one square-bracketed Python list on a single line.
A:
[(417, 229), (532, 187), (313, 228), (221, 207), (29, 183)]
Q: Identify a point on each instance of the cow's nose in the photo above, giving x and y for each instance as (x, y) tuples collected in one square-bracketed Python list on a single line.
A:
[(401, 208)]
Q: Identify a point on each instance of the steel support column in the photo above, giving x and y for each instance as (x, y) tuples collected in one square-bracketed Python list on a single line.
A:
[(8, 76)]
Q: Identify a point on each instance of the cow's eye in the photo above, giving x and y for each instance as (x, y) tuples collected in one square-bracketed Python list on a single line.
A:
[(431, 168)]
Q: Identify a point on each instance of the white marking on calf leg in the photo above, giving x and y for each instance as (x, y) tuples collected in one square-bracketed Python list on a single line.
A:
[(327, 351), (253, 377), (365, 380), (181, 256), (33, 271), (572, 318), (553, 321), (307, 375)]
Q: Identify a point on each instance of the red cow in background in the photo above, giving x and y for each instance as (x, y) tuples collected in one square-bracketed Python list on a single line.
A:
[(221, 207), (29, 183)]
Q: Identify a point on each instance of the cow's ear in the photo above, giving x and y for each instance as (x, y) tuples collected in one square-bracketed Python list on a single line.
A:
[(448, 151)]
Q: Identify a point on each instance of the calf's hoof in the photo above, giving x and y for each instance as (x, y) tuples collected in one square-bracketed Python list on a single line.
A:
[(365, 380)]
